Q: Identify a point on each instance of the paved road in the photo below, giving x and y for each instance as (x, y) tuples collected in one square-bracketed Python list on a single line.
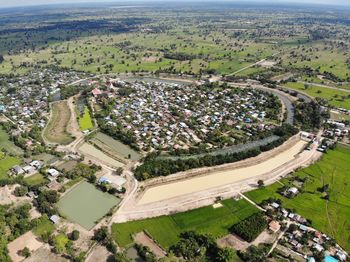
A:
[(256, 63)]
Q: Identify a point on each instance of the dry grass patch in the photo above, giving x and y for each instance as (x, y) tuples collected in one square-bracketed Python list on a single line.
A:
[(56, 130)]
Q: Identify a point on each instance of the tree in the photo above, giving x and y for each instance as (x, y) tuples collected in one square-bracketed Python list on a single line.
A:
[(260, 183), (20, 191), (60, 243), (25, 252), (225, 255), (119, 171), (121, 257), (74, 235), (101, 234)]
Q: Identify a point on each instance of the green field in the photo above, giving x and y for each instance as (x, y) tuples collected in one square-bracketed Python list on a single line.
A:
[(7, 144), (114, 147), (36, 179), (86, 205), (330, 217), (48, 159), (85, 122), (166, 229), (336, 98), (44, 227), (6, 163)]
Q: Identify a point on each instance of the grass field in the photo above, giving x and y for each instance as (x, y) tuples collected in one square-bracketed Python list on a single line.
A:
[(334, 97), (56, 130), (166, 229), (86, 205), (48, 159), (330, 217), (6, 163), (89, 149), (7, 144), (112, 146), (85, 122), (44, 227), (36, 179)]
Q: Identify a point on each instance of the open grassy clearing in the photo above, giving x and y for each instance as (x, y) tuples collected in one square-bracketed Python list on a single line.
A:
[(335, 98), (206, 220), (113, 146), (48, 159), (36, 179), (86, 205), (56, 130), (90, 150), (316, 56), (114, 53), (44, 228), (85, 122), (334, 170), (339, 116), (8, 145), (6, 163)]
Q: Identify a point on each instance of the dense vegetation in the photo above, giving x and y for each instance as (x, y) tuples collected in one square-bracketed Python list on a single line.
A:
[(309, 116), (197, 247), (14, 221), (251, 227), (154, 167)]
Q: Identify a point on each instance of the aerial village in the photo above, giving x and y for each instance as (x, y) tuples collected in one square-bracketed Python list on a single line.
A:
[(163, 116)]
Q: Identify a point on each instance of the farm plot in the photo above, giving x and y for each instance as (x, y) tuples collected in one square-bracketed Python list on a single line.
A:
[(56, 130), (95, 153), (85, 122), (208, 220), (114, 147), (330, 217), (86, 205)]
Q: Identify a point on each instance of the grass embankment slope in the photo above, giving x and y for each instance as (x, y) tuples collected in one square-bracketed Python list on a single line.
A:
[(330, 217), (85, 122), (336, 98), (166, 229), (56, 130)]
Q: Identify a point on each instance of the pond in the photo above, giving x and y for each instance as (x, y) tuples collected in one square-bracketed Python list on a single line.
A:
[(86, 205)]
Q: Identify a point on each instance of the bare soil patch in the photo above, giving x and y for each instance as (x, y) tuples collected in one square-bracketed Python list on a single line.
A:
[(151, 59), (56, 130), (234, 241), (44, 254), (99, 253), (145, 240), (28, 240)]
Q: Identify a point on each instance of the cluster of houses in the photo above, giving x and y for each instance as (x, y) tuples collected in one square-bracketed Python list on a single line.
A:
[(26, 170), (336, 129), (303, 240), (24, 99), (168, 115)]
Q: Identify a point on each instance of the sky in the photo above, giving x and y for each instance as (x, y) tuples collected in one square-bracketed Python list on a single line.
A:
[(9, 3)]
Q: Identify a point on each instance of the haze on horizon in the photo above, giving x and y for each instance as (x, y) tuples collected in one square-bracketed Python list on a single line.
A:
[(6, 3)]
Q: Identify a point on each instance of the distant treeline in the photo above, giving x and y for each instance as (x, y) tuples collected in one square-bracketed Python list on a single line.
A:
[(155, 167)]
